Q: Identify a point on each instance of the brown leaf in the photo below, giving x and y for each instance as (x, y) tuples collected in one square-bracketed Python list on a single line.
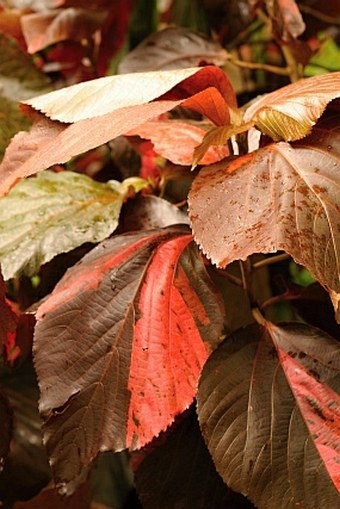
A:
[(272, 427), (49, 498), (45, 28), (6, 429), (290, 112), (172, 48), (279, 197), (8, 320), (286, 17)]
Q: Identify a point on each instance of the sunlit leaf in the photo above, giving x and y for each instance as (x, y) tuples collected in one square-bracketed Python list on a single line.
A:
[(290, 112), (281, 197), (268, 407), (52, 214), (11, 121), (172, 48), (120, 344)]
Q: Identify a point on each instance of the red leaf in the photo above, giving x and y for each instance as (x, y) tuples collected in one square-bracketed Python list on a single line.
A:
[(120, 344), (268, 405)]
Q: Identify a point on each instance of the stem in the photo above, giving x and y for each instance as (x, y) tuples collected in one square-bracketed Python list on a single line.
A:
[(282, 71), (292, 66), (246, 272), (258, 316), (271, 260), (233, 279)]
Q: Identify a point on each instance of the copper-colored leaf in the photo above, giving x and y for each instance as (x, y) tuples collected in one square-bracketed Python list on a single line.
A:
[(269, 406), (50, 143), (279, 197), (290, 112), (120, 344), (45, 28), (177, 141), (172, 48)]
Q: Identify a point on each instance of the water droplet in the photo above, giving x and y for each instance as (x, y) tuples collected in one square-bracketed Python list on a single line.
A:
[(329, 147)]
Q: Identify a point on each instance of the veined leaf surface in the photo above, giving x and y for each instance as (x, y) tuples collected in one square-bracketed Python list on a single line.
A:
[(280, 197), (268, 405), (120, 344), (52, 214)]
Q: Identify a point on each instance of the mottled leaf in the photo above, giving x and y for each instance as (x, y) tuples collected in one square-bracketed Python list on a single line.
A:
[(52, 214), (280, 197), (120, 344), (290, 112), (19, 77), (179, 472), (172, 48), (268, 406), (45, 28), (177, 141)]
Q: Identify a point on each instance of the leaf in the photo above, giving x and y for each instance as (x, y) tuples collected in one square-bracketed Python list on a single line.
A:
[(325, 60), (290, 112), (279, 197), (19, 77), (288, 22), (180, 473), (172, 48), (149, 212), (11, 121), (104, 95), (120, 344), (50, 499), (6, 429), (50, 143), (177, 141), (52, 214), (272, 426), (8, 319), (46, 28)]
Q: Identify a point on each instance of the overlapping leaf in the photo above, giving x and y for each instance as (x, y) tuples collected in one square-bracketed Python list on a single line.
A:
[(172, 48), (49, 142), (120, 344), (177, 141), (5, 428), (290, 112), (52, 214), (280, 197), (180, 473), (272, 427)]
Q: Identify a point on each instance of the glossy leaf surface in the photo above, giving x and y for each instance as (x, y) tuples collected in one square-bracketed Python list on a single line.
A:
[(52, 214), (120, 344), (279, 197), (272, 427)]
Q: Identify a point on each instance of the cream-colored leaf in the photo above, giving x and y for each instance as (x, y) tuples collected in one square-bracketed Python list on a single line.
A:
[(290, 112), (104, 95)]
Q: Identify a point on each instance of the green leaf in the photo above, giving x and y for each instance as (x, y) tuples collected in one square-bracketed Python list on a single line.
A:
[(52, 214), (11, 121), (19, 78), (325, 60)]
